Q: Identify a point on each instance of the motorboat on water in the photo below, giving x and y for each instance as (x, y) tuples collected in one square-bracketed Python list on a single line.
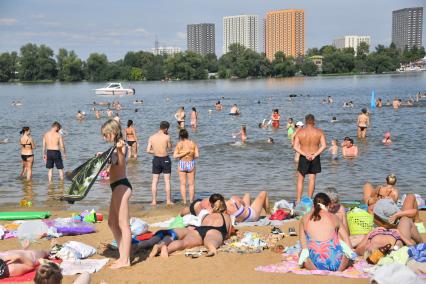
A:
[(114, 89)]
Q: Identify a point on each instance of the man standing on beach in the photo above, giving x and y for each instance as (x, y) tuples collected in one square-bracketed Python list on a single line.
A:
[(309, 142), (53, 144), (159, 144)]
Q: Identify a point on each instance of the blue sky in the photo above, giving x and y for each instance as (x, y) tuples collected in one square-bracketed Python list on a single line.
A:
[(115, 27)]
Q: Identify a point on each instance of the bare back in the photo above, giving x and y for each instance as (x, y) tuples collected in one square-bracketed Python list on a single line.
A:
[(363, 120), (321, 230), (310, 139), (53, 141), (159, 144)]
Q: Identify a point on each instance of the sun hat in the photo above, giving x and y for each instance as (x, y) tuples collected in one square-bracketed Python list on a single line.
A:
[(385, 208), (299, 123)]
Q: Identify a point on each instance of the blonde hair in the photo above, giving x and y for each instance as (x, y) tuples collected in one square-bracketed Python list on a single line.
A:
[(391, 179), (48, 273), (113, 128)]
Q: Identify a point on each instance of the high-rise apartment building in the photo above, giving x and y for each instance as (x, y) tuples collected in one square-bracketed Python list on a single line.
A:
[(407, 25), (242, 29), (285, 31), (201, 38), (351, 41)]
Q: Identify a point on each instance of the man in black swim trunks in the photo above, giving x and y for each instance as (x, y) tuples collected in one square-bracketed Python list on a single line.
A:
[(309, 142), (53, 144), (159, 144)]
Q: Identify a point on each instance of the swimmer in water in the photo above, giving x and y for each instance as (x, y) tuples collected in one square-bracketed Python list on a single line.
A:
[(80, 115), (379, 102), (109, 112), (334, 149), (271, 140), (363, 123), (242, 133), (350, 150), (396, 103), (234, 110), (98, 114), (290, 127), (387, 139), (275, 117), (218, 106), (131, 139), (263, 124), (333, 119)]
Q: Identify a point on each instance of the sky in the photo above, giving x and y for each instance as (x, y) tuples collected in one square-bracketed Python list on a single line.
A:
[(114, 27)]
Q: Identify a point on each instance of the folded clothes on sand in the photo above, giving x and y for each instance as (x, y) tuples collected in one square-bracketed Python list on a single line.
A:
[(418, 252), (72, 267)]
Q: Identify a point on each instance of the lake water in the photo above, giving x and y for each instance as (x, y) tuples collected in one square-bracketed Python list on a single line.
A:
[(223, 167)]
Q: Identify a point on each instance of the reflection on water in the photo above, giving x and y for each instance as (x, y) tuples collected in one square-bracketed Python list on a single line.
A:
[(224, 166)]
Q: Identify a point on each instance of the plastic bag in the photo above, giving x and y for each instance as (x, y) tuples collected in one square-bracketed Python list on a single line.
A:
[(283, 204), (138, 226), (84, 250), (305, 205), (32, 230)]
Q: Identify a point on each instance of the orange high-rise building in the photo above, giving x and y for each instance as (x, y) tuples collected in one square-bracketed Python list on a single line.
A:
[(285, 31)]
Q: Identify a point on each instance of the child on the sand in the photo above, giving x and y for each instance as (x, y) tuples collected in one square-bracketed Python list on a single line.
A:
[(121, 188)]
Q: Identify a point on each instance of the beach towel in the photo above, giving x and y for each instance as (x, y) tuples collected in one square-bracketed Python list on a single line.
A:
[(72, 267), (418, 252), (290, 265)]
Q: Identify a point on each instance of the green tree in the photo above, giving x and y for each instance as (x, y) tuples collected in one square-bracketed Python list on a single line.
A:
[(283, 66), (70, 67), (36, 63), (97, 67), (8, 66), (211, 62), (186, 66), (362, 50), (309, 68), (136, 74)]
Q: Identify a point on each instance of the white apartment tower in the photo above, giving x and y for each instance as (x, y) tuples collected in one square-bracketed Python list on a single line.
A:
[(351, 41), (242, 29)]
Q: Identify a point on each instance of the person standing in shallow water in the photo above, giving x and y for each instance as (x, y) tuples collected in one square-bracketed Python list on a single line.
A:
[(275, 117), (194, 118), (187, 152), (53, 144), (363, 123), (27, 155), (159, 144), (309, 142)]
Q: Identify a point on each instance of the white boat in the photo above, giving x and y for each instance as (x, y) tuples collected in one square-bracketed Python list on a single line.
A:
[(114, 89)]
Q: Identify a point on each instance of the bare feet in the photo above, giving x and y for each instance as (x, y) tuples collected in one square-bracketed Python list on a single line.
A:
[(155, 251), (120, 264), (164, 252), (154, 203), (211, 253)]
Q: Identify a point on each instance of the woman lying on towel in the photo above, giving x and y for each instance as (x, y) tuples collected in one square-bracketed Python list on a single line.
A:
[(214, 229), (319, 233), (18, 262), (245, 211)]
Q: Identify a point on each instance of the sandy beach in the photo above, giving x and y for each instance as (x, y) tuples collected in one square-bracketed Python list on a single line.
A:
[(223, 268)]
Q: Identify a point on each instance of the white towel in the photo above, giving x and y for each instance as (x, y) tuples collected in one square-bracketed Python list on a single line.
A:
[(72, 267)]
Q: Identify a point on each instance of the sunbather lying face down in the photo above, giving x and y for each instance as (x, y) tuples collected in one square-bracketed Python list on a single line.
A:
[(213, 231)]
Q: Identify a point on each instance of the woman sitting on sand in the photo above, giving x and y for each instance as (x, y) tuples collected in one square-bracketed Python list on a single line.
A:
[(319, 234), (214, 229), (245, 211), (336, 208), (372, 195)]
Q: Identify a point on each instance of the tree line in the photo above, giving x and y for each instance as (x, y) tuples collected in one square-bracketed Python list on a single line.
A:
[(39, 63)]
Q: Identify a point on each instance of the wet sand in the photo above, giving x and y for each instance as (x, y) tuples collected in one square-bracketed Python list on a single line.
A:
[(223, 268)]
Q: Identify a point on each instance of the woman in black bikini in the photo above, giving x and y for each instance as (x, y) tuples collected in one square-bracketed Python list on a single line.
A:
[(213, 231), (132, 139), (27, 155)]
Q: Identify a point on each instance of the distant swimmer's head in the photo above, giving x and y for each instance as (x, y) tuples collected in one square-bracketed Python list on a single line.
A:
[(391, 179), (350, 142), (218, 103), (57, 126), (276, 111), (164, 125), (310, 119), (260, 125), (136, 110), (194, 109), (244, 128), (183, 134), (129, 123), (111, 130), (48, 273), (387, 134), (334, 142), (290, 120), (364, 111), (24, 130), (299, 124), (217, 201), (271, 140), (334, 118)]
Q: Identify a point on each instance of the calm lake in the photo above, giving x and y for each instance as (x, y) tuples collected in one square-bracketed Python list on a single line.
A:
[(223, 167)]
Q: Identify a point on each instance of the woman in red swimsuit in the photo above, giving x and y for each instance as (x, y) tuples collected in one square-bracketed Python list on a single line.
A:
[(275, 117)]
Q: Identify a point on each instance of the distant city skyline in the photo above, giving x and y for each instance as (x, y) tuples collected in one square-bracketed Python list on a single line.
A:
[(83, 27)]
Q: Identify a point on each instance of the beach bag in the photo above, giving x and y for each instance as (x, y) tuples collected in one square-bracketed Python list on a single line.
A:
[(305, 206), (138, 226), (360, 222)]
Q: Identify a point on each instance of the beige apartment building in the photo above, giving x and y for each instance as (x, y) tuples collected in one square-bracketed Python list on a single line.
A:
[(285, 31)]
